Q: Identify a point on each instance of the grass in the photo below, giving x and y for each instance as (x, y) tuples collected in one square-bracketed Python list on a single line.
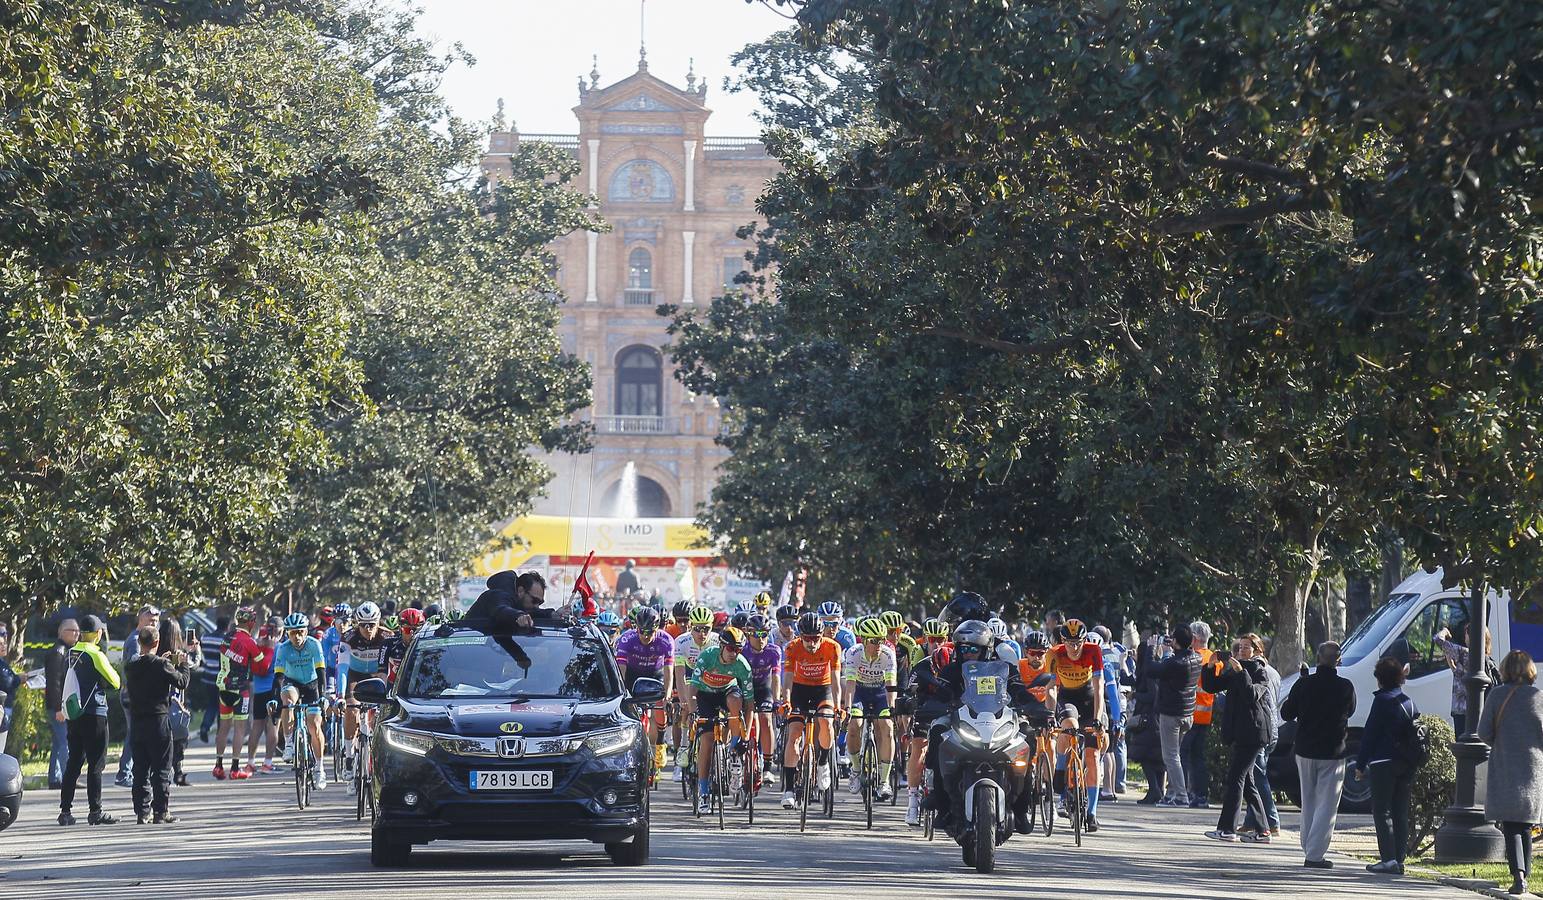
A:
[(1496, 872)]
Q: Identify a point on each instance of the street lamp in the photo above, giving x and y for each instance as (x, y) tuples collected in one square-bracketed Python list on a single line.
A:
[(1464, 835)]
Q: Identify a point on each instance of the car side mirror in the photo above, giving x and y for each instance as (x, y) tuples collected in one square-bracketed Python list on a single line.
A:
[(370, 690), (647, 690)]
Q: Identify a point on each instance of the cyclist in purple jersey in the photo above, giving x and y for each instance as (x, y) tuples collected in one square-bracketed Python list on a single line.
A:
[(765, 658), (646, 651)]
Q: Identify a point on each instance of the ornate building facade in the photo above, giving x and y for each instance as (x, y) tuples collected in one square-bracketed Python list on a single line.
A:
[(674, 198)]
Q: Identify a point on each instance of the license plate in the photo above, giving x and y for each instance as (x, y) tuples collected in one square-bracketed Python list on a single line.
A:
[(524, 780)]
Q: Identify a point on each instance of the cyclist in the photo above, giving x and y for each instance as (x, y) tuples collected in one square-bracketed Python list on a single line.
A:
[(813, 664), (870, 676), (238, 654), (907, 654), (765, 660), (300, 674), (834, 627), (647, 652), (394, 650), (720, 680), (999, 629), (1078, 669), (720, 622), (763, 603), (680, 621), (931, 700), (358, 659), (787, 626), (1033, 664), (609, 624), (688, 647)]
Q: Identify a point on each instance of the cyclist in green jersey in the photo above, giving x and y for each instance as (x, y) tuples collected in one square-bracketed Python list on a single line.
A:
[(722, 681)]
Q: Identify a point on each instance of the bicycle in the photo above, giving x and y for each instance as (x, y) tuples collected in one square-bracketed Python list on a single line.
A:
[(806, 764), (1076, 787), (868, 767), (363, 768), (928, 815), (902, 759), (332, 731), (745, 770), (838, 726)]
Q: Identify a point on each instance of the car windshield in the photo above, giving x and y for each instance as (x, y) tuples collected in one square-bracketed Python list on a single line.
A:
[(1373, 632), (502, 667)]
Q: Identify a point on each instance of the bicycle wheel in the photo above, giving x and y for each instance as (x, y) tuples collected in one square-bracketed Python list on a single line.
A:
[(687, 782), (1045, 793), (900, 758), (752, 779), (721, 779), (1077, 797), (805, 782), (868, 771), (360, 784), (830, 793)]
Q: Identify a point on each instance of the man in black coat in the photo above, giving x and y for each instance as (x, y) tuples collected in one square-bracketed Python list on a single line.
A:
[(1177, 674), (148, 682), (512, 601), (55, 664), (1321, 704)]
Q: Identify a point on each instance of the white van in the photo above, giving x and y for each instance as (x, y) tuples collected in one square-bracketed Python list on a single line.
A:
[(1405, 627)]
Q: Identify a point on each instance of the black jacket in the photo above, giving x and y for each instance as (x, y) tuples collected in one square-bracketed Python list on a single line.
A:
[(1176, 679), (1321, 704), (1246, 717), (55, 664), (148, 682), (1391, 719), (1144, 743)]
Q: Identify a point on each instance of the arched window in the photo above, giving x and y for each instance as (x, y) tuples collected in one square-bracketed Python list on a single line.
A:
[(640, 270), (639, 382), (651, 500), (642, 181)]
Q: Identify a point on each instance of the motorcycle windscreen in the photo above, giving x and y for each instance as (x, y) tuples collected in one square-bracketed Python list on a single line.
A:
[(985, 686)]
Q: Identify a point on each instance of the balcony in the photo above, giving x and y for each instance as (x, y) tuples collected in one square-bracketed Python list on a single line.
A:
[(634, 425), (638, 297)]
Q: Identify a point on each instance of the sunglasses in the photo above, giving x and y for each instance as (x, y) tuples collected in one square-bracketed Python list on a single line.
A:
[(760, 634), (971, 648), (701, 629)]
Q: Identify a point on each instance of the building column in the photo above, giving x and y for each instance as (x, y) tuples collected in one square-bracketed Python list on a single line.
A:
[(594, 171), (689, 237), (589, 294), (690, 176)]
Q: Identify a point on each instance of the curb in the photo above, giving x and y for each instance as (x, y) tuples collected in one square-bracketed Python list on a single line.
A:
[(1477, 885)]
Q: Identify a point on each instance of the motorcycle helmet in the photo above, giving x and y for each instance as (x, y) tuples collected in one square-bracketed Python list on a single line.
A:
[(975, 633), (964, 607), (808, 624)]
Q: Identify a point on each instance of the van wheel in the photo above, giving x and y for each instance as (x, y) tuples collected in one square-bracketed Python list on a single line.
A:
[(632, 853), (386, 853)]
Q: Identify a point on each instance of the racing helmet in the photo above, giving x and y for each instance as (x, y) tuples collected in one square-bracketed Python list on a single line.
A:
[(740, 619), (892, 619), (700, 615), (433, 609), (391, 623), (870, 628), (935, 628), (413, 619), (763, 601), (998, 627), (608, 619), (808, 624), (367, 613), (830, 609), (1072, 631), (246, 614), (965, 606), (645, 618), (758, 622), (296, 621), (343, 612), (682, 609), (720, 619), (786, 612), (731, 637), (1036, 640)]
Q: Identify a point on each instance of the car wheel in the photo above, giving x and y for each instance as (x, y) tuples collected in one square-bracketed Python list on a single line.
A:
[(386, 853), (632, 853), (1356, 796)]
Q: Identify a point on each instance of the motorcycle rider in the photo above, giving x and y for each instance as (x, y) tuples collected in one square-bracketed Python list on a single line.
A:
[(973, 642)]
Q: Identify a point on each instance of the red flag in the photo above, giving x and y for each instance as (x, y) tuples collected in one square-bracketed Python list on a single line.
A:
[(581, 585)]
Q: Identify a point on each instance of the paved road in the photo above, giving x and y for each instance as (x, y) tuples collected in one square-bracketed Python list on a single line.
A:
[(246, 840)]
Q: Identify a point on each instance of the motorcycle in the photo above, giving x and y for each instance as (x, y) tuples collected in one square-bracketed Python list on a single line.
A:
[(983, 759)]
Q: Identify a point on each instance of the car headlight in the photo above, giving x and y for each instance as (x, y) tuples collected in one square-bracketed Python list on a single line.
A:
[(612, 740), (418, 743), (968, 733)]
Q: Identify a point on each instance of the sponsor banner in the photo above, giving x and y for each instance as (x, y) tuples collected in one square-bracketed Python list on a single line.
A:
[(562, 536)]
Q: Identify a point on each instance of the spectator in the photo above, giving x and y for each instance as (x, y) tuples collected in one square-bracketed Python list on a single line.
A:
[(1245, 729), (179, 717), (1196, 777), (1321, 704), (149, 617), (1389, 726), (210, 648), (88, 730), (1511, 722), (1177, 675), (627, 581), (263, 727), (1456, 653), (1144, 744), (1054, 619), (148, 682), (1261, 776), (54, 666), (10, 684)]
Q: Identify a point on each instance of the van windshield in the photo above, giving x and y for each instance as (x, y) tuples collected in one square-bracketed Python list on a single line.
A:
[(1374, 631)]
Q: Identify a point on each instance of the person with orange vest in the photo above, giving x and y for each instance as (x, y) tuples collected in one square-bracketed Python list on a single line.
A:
[(1192, 749)]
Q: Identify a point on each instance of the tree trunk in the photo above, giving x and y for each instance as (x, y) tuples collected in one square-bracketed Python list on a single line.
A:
[(1288, 613), (1358, 598), (1392, 569)]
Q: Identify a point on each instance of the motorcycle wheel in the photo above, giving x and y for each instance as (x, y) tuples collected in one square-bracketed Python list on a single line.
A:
[(985, 837)]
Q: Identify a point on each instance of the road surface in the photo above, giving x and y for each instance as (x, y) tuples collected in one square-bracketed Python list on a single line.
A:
[(245, 839)]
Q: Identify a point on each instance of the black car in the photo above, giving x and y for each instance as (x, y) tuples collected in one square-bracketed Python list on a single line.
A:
[(529, 736)]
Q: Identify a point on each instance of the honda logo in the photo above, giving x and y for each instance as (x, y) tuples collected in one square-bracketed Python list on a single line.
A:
[(511, 747)]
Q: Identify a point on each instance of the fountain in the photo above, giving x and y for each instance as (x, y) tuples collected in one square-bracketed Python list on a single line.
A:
[(627, 493)]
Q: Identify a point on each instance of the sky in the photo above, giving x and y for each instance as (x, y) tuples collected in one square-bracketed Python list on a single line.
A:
[(531, 53)]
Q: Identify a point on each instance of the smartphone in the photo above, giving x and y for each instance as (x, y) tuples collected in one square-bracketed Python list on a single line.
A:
[(192, 636)]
